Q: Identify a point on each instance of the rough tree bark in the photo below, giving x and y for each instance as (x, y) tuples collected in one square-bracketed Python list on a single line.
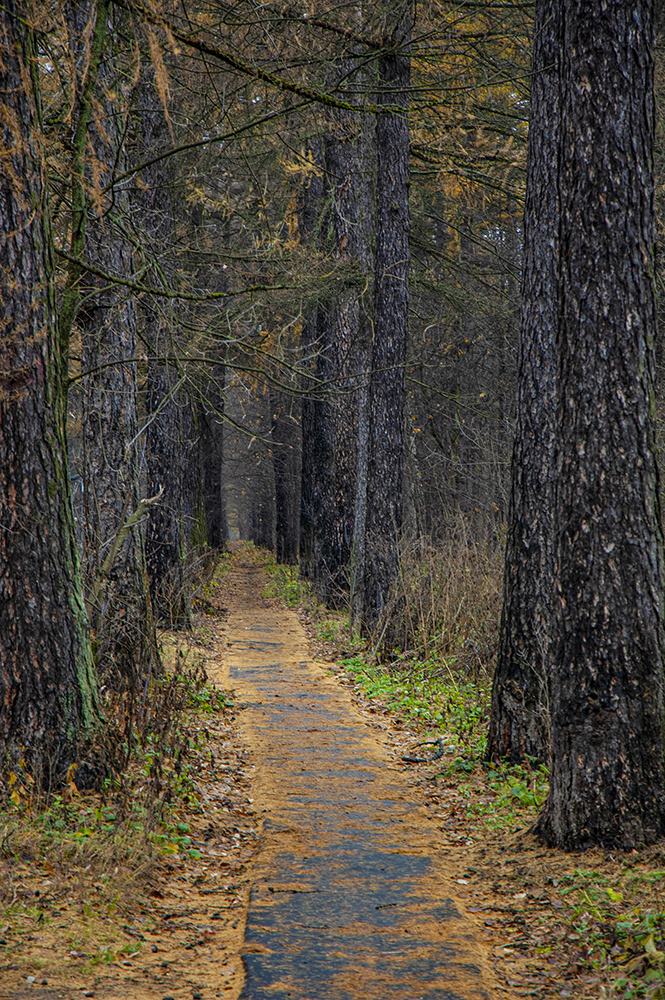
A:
[(519, 724), (608, 769), (121, 616), (359, 541), (111, 467), (211, 411), (317, 478), (169, 420), (170, 430), (391, 313), (286, 465), (48, 686), (349, 199), (330, 424), (318, 467), (263, 476)]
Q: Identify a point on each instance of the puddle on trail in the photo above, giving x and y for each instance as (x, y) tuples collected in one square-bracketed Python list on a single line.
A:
[(348, 900)]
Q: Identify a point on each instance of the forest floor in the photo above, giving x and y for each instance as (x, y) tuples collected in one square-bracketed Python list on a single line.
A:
[(102, 895), (91, 904)]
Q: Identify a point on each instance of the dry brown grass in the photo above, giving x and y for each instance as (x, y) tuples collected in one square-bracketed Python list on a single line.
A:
[(446, 603)]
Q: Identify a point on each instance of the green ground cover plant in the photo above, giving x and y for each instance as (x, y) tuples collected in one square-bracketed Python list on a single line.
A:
[(285, 585)]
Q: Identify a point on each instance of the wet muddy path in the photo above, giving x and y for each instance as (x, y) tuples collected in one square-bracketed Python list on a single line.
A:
[(349, 900)]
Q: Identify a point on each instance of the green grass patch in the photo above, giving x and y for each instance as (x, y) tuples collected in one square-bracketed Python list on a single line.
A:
[(429, 694), (285, 585)]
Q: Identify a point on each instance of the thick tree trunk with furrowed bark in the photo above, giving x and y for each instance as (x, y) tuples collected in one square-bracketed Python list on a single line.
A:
[(349, 199), (336, 330), (48, 686), (608, 769)]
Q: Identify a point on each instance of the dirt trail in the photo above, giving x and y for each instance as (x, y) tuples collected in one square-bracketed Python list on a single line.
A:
[(349, 896)]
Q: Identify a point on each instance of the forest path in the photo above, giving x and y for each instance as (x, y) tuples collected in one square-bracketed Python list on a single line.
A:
[(349, 896)]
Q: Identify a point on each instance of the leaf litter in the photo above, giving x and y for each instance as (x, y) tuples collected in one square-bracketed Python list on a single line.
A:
[(101, 908)]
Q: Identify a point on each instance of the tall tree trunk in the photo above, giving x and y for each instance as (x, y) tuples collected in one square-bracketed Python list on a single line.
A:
[(194, 523), (169, 420), (330, 424), (119, 604), (317, 484), (391, 315), (286, 465), (263, 517), (468, 452), (263, 484), (318, 460), (519, 725), (120, 610), (359, 543), (349, 200), (608, 768), (211, 414), (48, 686)]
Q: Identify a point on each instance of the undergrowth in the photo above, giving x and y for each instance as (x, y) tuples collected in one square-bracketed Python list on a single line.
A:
[(99, 847), (286, 585), (446, 602), (615, 918), (429, 695), (147, 763)]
